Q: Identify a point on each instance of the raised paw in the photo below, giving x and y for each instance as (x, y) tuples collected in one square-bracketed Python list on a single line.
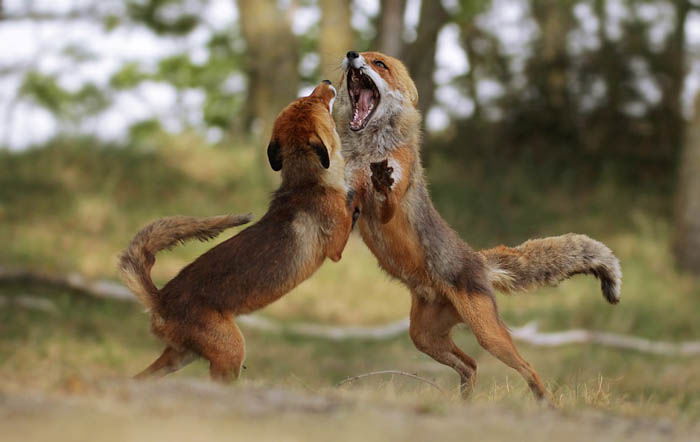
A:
[(381, 175)]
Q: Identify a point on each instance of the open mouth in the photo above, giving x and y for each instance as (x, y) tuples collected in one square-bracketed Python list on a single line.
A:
[(364, 97)]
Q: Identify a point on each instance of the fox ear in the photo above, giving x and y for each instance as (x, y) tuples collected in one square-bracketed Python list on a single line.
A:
[(274, 156), (322, 153)]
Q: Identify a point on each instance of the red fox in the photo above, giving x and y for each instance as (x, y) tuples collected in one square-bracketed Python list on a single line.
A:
[(379, 126), (310, 218)]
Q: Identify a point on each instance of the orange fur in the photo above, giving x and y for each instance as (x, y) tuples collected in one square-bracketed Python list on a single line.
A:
[(399, 79), (379, 125), (309, 220)]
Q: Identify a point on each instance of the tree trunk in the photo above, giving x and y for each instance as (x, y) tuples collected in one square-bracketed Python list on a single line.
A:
[(686, 245), (555, 21), (336, 36), (611, 70), (390, 27), (271, 62), (469, 34), (672, 85), (420, 55)]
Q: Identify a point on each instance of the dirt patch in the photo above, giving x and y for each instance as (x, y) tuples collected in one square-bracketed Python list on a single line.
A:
[(184, 409)]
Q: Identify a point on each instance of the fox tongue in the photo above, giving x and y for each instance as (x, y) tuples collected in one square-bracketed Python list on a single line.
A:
[(363, 107), (364, 102)]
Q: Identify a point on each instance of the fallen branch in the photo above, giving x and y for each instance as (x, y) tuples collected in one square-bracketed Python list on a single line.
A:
[(528, 333), (329, 332), (75, 281), (31, 303), (402, 373)]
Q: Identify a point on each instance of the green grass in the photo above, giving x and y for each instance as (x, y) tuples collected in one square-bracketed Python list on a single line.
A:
[(90, 199), (73, 206), (88, 339)]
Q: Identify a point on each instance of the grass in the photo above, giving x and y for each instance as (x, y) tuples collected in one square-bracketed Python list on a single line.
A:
[(72, 206), (86, 339)]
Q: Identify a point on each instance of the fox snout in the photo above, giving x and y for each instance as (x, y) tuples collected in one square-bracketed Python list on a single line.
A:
[(353, 59)]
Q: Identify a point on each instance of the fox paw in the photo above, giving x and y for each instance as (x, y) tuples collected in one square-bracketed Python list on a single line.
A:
[(381, 176)]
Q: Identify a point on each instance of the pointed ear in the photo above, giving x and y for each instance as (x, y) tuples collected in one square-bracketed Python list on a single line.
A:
[(322, 153), (274, 155)]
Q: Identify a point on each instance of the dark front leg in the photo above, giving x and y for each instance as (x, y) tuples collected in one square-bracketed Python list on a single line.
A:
[(382, 182)]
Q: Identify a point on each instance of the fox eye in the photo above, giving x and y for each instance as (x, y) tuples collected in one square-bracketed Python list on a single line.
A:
[(380, 64)]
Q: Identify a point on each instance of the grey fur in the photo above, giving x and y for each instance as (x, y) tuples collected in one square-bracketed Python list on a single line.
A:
[(449, 260)]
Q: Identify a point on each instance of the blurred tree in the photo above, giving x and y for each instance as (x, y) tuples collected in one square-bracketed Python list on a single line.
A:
[(603, 95), (151, 13), (176, 19), (673, 59), (271, 57), (71, 108), (546, 118), (420, 55), (336, 36), (390, 28), (481, 49), (686, 246), (607, 65), (591, 84)]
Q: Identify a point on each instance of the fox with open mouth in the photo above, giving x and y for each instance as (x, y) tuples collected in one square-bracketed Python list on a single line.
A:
[(379, 124)]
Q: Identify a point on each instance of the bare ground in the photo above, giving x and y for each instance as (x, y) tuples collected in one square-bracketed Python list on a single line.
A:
[(188, 409)]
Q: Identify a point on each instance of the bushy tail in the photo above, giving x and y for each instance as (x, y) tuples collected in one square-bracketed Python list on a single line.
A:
[(549, 261), (136, 261)]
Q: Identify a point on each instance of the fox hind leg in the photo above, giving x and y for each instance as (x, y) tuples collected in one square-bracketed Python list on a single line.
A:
[(479, 312), (431, 324), (168, 362), (222, 344)]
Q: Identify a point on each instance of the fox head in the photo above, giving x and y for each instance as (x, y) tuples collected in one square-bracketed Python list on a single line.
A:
[(304, 139), (375, 91)]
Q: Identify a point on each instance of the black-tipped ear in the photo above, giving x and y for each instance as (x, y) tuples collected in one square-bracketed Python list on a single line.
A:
[(274, 156), (322, 153)]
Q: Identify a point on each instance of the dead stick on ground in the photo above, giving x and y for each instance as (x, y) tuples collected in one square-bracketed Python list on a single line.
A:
[(402, 373), (528, 333)]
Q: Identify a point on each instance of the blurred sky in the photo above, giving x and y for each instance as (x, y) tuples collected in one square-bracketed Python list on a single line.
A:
[(36, 44)]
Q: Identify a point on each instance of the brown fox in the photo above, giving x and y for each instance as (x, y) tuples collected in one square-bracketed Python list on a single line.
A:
[(310, 218), (379, 126)]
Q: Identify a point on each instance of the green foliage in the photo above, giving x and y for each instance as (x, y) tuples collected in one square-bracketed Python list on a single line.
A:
[(151, 13), (88, 100), (468, 9), (79, 53), (179, 71), (128, 77), (566, 101), (45, 91), (550, 106), (140, 132), (102, 191), (209, 76), (111, 22), (219, 109)]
